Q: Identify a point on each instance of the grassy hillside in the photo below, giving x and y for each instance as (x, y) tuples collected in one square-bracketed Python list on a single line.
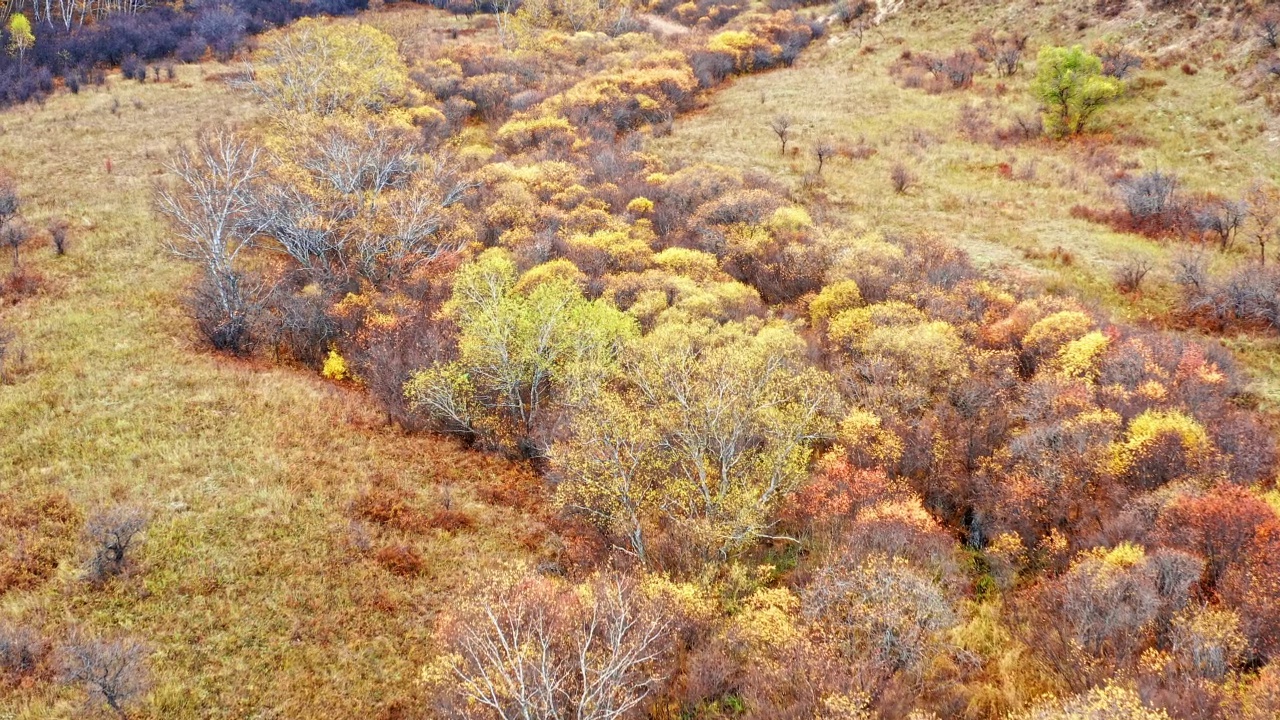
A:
[(1009, 206), (259, 587)]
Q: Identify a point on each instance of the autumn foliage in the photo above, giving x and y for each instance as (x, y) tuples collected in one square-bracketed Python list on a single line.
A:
[(822, 472)]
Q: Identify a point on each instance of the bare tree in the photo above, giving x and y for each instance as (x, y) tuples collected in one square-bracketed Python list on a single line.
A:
[(823, 151), (1191, 269), (364, 162), (111, 533), (1264, 210), (537, 650), (1004, 50), (13, 235), (1118, 61), (781, 126), (11, 232), (1222, 218), (211, 215), (1009, 57), (10, 202), (410, 239), (1269, 29), (503, 13), (113, 670), (373, 205), (6, 344)]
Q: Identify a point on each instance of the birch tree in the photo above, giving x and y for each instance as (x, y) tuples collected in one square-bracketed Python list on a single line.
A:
[(536, 649), (210, 208)]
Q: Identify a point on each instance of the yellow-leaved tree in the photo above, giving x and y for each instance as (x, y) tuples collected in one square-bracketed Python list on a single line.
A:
[(324, 67), (1109, 702), (709, 428), (526, 352), (570, 16), (20, 36)]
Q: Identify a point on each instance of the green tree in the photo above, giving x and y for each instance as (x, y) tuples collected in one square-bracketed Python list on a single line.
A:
[(524, 349), (1073, 88), (20, 37)]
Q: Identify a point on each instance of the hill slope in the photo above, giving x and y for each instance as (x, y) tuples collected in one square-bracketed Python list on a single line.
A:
[(1008, 204), (260, 588)]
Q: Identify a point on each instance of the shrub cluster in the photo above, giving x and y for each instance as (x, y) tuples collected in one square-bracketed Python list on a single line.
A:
[(815, 472), (78, 50)]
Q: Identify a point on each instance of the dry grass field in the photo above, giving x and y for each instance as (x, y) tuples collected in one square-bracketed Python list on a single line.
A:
[(260, 588)]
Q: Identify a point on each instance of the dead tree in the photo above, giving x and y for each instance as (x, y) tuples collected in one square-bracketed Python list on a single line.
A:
[(112, 670), (781, 126), (823, 151)]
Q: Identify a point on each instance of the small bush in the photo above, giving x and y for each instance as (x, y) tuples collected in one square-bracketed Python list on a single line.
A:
[(400, 559), (1249, 297), (300, 326), (133, 69), (58, 230), (1004, 50), (1269, 29), (1130, 274), (451, 520), (955, 71), (225, 312), (192, 49), (902, 179), (20, 283), (6, 342), (1191, 269), (1117, 61), (223, 28), (388, 504), (23, 653), (1150, 197), (111, 534), (37, 531)]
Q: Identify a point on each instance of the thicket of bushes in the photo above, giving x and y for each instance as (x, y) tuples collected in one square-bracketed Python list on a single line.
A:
[(187, 32), (798, 471)]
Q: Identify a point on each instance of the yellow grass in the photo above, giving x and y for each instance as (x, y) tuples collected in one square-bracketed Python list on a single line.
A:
[(251, 587)]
